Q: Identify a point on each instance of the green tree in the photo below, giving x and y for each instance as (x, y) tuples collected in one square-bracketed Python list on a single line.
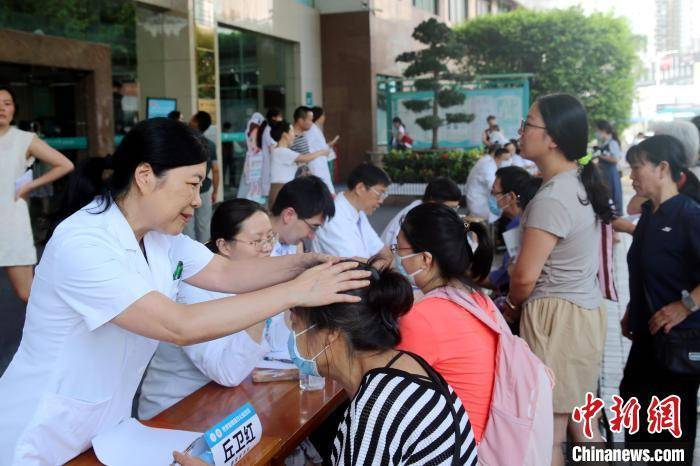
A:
[(429, 68), (592, 57)]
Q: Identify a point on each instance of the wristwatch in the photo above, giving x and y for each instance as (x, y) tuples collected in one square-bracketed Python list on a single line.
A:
[(688, 301)]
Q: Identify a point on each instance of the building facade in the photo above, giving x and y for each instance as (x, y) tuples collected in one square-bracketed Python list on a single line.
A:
[(85, 72)]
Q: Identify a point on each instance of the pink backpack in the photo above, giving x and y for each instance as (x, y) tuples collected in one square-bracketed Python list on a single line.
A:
[(519, 430)]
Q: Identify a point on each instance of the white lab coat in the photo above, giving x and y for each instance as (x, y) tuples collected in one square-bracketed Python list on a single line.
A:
[(75, 372), (319, 165), (479, 184), (177, 371), (391, 232), (519, 161), (348, 233)]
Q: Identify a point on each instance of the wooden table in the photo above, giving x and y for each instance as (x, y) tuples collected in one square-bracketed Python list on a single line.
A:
[(287, 414)]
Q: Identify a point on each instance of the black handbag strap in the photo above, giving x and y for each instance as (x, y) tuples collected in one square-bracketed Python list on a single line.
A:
[(438, 380)]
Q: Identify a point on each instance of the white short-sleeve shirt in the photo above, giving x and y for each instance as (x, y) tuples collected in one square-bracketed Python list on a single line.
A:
[(319, 165), (479, 184), (75, 373), (348, 233), (284, 165), (391, 232)]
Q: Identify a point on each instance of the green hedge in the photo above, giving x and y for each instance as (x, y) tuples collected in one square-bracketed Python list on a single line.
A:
[(420, 167)]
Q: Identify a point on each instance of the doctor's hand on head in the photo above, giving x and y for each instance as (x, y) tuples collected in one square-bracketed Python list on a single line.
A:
[(326, 283)]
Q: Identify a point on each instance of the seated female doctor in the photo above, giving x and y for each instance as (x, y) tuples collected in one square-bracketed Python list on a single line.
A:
[(240, 229), (104, 290)]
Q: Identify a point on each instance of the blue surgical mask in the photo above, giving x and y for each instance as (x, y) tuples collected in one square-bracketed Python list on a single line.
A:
[(493, 206), (398, 261), (306, 366)]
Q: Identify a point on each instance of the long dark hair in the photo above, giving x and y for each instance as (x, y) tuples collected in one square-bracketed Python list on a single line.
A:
[(566, 122), (162, 143), (272, 112), (604, 125), (665, 148), (437, 229), (373, 323)]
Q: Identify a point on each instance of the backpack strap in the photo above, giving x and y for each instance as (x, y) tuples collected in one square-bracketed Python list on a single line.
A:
[(463, 299), (438, 380)]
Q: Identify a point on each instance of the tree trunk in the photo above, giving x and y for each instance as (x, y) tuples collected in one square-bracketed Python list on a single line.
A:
[(435, 114)]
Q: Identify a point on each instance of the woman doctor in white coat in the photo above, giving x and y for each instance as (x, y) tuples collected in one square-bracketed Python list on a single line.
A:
[(103, 296)]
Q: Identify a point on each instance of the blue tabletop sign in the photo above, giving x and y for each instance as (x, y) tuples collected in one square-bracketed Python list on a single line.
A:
[(234, 436)]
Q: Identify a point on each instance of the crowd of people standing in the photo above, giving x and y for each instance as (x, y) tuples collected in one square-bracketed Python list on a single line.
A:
[(417, 325)]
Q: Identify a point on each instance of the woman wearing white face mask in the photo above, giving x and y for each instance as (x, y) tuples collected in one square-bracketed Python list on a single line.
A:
[(240, 230), (104, 295), (391, 391), (433, 251), (395, 396), (480, 181)]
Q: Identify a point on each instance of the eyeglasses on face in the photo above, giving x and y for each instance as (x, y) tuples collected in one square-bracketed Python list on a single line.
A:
[(311, 226), (524, 124), (259, 244), (380, 195)]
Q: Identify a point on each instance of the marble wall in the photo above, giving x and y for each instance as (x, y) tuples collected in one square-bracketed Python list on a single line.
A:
[(50, 51)]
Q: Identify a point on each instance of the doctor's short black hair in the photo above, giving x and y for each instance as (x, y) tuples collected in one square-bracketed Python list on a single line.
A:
[(442, 189), (308, 196), (369, 175)]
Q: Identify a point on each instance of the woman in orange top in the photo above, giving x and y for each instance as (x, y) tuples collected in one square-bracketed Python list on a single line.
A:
[(432, 250)]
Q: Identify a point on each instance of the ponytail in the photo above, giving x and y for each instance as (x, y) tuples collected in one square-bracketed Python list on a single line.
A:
[(482, 257), (566, 123), (597, 192), (259, 135), (272, 112), (691, 185), (437, 229)]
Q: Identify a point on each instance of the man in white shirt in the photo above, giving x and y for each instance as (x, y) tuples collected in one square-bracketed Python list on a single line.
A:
[(302, 207), (349, 233), (317, 141), (441, 190), (480, 181)]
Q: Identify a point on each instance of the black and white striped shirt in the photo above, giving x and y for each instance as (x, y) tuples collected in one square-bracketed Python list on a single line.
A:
[(398, 418), (300, 145)]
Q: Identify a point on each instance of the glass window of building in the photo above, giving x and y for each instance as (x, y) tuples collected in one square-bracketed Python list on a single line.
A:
[(427, 5), (483, 7), (256, 72), (101, 21), (457, 10)]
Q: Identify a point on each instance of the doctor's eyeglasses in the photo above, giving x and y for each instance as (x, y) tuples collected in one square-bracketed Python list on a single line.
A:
[(259, 244)]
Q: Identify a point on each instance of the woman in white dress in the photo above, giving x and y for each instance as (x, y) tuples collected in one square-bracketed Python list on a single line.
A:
[(251, 183), (18, 149)]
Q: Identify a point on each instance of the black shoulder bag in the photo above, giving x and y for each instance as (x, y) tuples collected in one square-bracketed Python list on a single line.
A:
[(678, 350)]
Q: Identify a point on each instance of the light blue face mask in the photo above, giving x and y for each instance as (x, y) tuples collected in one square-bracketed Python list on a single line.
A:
[(398, 261), (493, 206), (306, 366)]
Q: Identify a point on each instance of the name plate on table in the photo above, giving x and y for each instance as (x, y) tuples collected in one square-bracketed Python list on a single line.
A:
[(234, 436)]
